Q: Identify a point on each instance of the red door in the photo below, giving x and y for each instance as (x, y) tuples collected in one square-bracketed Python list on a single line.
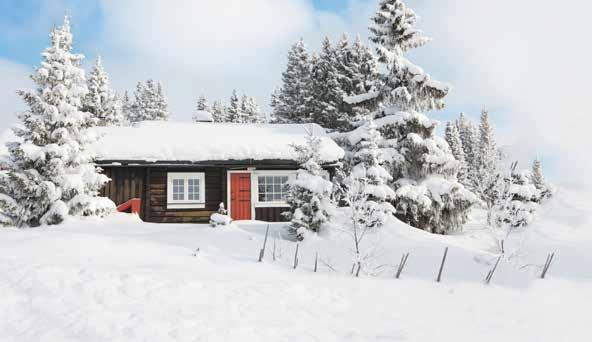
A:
[(240, 196)]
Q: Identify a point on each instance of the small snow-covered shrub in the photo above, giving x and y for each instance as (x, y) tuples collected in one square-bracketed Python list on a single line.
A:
[(309, 195), (219, 220)]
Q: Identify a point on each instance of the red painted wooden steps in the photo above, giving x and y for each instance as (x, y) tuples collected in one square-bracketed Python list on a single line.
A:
[(131, 206)]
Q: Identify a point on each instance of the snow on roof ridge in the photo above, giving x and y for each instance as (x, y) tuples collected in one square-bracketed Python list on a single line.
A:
[(204, 141)]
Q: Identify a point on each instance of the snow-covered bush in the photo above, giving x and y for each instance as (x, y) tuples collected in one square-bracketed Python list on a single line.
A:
[(517, 205), (545, 189), (50, 171), (309, 195)]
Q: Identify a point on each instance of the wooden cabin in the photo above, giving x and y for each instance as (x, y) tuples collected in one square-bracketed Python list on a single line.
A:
[(182, 172)]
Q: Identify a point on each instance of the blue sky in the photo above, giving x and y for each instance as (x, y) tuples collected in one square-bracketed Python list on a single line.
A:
[(211, 47)]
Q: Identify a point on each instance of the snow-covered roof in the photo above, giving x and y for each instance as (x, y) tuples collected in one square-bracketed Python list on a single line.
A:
[(194, 142)]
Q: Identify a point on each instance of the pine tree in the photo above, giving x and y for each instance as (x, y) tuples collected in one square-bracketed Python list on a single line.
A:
[(368, 181), (150, 102), (357, 74), (51, 173), (219, 112), (469, 136), (488, 177), (309, 195), (516, 204), (127, 108), (452, 137), (423, 168), (251, 110), (233, 111), (289, 102), (100, 100), (203, 112), (325, 97), (161, 111), (202, 104), (546, 191)]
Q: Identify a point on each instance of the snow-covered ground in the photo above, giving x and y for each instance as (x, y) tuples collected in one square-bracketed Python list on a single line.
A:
[(120, 279)]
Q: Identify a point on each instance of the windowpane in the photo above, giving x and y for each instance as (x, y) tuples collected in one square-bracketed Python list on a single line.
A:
[(272, 188), (193, 189), (178, 189)]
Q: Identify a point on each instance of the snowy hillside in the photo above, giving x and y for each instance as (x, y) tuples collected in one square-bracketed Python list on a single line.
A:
[(120, 279)]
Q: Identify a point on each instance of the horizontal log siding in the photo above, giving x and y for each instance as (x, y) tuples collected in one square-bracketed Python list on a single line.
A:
[(271, 214), (125, 184), (215, 183)]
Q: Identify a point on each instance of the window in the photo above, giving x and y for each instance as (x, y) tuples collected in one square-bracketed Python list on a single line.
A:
[(272, 188), (186, 190)]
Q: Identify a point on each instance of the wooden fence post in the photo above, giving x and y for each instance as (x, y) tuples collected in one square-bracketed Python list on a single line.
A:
[(547, 265), (316, 261), (262, 251), (442, 265), (401, 265), (492, 271), (296, 256)]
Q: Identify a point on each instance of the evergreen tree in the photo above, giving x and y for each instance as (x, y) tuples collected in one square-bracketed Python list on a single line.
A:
[(100, 100), (488, 177), (219, 112), (50, 172), (452, 137), (161, 111), (325, 96), (469, 136), (251, 110), (202, 104), (357, 74), (545, 190), (128, 108), (368, 180), (233, 111), (517, 203), (289, 102), (423, 168), (309, 195), (203, 112), (364, 76), (150, 102)]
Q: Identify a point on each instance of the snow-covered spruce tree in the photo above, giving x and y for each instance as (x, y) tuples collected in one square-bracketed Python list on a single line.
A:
[(289, 101), (469, 136), (357, 72), (428, 196), (101, 101), (51, 173), (309, 195), (233, 111), (127, 108), (452, 137), (371, 178), (251, 111), (219, 112), (517, 204), (150, 102), (487, 178), (202, 104), (546, 190), (325, 96)]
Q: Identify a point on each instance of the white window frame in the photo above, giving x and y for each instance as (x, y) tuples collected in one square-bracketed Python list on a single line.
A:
[(255, 186), (186, 203)]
